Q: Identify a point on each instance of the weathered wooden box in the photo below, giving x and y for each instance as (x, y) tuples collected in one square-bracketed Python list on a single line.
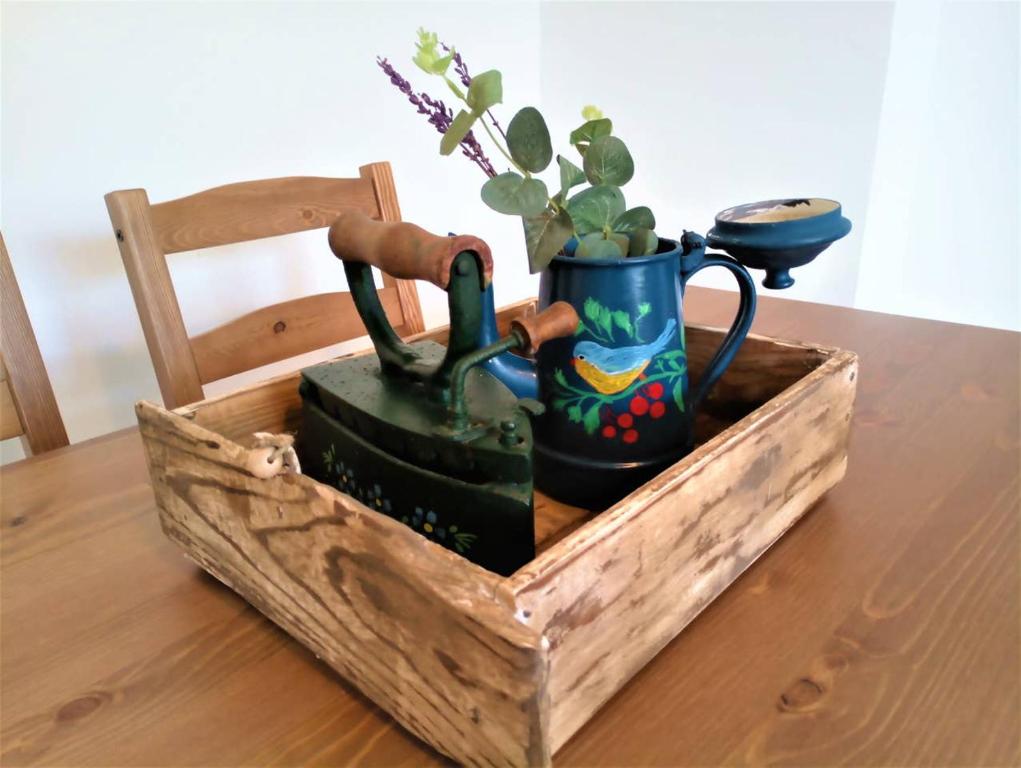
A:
[(504, 670)]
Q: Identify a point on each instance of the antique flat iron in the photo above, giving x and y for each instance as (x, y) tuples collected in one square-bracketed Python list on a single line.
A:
[(418, 431)]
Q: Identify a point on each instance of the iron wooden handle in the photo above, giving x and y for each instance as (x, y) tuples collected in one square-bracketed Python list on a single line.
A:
[(558, 319), (404, 250)]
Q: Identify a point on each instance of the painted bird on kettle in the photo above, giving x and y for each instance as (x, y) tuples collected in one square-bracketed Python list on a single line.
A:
[(609, 371)]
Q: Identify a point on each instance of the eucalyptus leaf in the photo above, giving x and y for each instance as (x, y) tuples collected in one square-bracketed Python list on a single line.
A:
[(635, 218), (595, 246), (455, 134), (621, 240), (513, 194), (528, 140), (642, 242), (454, 89), (486, 90), (608, 161), (594, 208), (591, 130), (545, 235), (570, 175)]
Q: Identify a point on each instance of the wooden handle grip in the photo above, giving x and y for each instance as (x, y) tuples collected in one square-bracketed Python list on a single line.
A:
[(403, 250), (558, 319)]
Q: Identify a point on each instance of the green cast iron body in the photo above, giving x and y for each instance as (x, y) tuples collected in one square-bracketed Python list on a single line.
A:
[(421, 434)]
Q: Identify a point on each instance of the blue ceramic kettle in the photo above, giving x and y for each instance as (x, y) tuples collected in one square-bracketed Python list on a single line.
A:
[(619, 408)]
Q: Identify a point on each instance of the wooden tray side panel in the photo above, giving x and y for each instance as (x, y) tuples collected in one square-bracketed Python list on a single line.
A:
[(428, 636), (611, 595), (762, 369)]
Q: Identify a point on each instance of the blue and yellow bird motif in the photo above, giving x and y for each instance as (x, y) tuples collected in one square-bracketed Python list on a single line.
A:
[(609, 371)]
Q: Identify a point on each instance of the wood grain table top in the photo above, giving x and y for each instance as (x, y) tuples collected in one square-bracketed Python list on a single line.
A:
[(883, 629)]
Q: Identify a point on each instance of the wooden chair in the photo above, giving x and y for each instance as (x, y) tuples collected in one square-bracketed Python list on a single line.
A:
[(232, 214), (27, 406)]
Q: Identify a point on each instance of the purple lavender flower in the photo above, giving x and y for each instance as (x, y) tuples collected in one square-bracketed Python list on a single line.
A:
[(440, 116), (459, 66)]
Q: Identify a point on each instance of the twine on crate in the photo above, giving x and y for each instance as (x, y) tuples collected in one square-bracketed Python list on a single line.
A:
[(272, 455)]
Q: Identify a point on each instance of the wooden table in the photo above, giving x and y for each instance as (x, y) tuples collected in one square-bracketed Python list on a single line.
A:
[(883, 629)]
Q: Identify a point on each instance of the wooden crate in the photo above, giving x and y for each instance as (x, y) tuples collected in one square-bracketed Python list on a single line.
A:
[(490, 669)]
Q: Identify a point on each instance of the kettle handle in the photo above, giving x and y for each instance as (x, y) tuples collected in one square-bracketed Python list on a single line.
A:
[(462, 265), (738, 329)]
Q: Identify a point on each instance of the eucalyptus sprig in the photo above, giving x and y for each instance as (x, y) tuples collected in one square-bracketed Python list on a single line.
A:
[(596, 215)]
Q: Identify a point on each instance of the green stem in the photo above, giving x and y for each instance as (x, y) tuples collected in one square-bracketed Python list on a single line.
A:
[(576, 391), (600, 336), (499, 146)]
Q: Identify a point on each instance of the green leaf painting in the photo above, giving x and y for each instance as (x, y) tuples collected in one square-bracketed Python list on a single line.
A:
[(662, 380), (622, 320), (678, 394)]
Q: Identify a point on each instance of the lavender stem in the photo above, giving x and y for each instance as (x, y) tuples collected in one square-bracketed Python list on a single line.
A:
[(440, 116)]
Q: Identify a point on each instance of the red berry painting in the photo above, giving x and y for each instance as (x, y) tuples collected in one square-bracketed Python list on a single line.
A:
[(620, 382)]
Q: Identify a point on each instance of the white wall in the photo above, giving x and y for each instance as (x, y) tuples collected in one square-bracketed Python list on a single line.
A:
[(941, 225), (905, 112), (733, 103)]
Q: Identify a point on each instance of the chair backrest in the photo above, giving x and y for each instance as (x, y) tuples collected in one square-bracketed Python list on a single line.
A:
[(27, 406), (146, 233)]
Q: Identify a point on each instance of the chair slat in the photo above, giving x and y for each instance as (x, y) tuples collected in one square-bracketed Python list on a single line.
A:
[(282, 331), (252, 210), (10, 422), (26, 382), (155, 298), (235, 213)]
